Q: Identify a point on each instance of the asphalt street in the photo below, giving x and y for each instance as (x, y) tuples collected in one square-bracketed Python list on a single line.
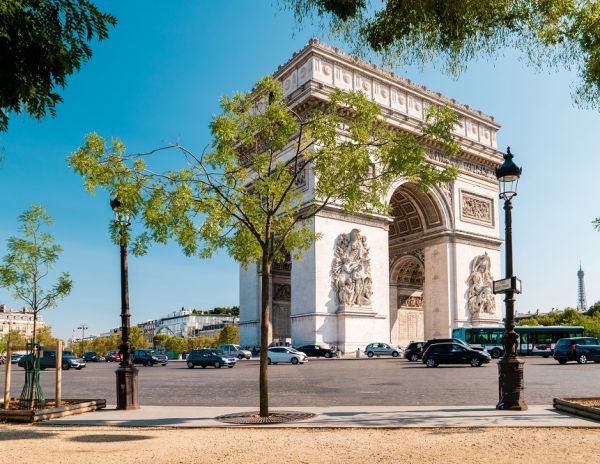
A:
[(325, 382)]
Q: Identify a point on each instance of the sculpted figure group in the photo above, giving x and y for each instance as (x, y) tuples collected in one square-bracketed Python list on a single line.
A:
[(351, 272), (480, 298)]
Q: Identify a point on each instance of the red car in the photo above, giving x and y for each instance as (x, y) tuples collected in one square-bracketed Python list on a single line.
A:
[(113, 356)]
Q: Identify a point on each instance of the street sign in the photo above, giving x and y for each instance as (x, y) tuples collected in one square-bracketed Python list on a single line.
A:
[(506, 285)]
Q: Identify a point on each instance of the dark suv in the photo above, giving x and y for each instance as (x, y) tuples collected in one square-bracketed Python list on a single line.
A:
[(567, 349), (148, 358), (453, 353), (414, 351), (434, 341)]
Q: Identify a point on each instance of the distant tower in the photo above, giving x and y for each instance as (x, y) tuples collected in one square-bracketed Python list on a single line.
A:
[(581, 301)]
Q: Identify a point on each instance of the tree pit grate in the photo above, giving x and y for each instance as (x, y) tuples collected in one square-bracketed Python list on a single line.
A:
[(275, 417)]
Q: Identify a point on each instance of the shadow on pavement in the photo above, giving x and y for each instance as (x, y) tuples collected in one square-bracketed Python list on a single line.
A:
[(105, 438), (20, 434)]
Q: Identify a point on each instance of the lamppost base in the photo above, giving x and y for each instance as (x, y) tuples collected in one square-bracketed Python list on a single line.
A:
[(511, 385), (127, 388)]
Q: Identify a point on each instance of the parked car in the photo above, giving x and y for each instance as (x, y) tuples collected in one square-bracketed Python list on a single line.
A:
[(285, 354), (414, 351), (48, 360), (113, 356), (316, 351), (382, 349), (207, 357), (148, 358), (454, 353), (14, 358), (235, 351), (92, 356), (580, 349)]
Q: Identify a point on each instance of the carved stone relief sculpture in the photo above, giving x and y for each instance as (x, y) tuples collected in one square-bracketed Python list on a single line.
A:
[(480, 298), (351, 270)]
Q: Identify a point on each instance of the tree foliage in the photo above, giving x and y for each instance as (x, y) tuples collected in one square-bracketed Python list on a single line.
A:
[(42, 42), (29, 260), (563, 33), (240, 194), (229, 334)]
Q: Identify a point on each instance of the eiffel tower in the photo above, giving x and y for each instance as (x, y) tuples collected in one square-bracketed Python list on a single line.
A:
[(581, 301)]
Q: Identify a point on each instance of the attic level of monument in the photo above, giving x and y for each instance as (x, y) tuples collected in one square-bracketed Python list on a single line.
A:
[(318, 68), (416, 274)]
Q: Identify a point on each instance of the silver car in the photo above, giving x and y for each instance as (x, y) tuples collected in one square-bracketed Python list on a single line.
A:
[(382, 349)]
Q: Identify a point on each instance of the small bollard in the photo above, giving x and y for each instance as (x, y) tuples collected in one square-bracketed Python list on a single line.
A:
[(58, 391), (7, 376), (358, 352)]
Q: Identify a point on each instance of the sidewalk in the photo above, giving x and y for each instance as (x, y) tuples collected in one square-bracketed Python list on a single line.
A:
[(334, 417)]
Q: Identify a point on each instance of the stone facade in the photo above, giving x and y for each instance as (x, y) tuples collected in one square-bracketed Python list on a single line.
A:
[(20, 320), (405, 277)]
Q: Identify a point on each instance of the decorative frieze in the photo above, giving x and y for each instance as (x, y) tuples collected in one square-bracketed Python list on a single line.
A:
[(412, 302), (476, 209), (282, 292), (464, 165)]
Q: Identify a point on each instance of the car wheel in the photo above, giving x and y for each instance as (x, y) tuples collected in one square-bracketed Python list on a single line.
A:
[(395, 354), (66, 366), (475, 362), (294, 361), (269, 361), (217, 365), (190, 364), (562, 361), (328, 355), (414, 358), (431, 363), (495, 353), (370, 354), (240, 356), (582, 359)]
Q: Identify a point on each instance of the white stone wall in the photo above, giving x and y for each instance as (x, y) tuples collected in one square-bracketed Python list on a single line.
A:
[(249, 306)]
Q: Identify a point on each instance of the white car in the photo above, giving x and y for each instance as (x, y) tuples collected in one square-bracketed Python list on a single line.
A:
[(284, 354)]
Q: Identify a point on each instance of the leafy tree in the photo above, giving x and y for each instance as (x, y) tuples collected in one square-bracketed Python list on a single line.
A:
[(240, 193), (28, 262), (42, 42), (16, 337), (551, 34), (45, 337), (229, 334), (159, 340), (594, 309)]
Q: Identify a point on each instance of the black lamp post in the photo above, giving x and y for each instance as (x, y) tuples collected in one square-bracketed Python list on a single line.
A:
[(83, 328), (127, 374), (510, 368)]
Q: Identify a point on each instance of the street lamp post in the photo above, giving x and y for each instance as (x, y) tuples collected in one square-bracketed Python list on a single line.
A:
[(83, 328), (510, 368), (127, 374)]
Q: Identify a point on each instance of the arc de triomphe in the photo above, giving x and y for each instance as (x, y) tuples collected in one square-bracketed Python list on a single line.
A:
[(415, 275)]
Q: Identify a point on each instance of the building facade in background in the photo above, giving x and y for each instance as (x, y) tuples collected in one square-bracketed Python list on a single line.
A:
[(413, 275), (18, 320)]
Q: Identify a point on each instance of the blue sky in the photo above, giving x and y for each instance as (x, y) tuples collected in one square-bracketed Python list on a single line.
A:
[(158, 79)]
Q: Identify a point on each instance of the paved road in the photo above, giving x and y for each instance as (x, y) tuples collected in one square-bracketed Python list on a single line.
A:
[(326, 382)]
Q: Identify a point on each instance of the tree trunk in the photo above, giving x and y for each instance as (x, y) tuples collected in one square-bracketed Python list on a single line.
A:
[(264, 336), (33, 385)]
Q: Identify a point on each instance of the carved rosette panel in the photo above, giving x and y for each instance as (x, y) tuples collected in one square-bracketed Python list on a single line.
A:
[(351, 271), (477, 209), (480, 298), (282, 292)]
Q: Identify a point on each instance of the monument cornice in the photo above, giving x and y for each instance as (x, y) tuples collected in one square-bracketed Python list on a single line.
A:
[(317, 69)]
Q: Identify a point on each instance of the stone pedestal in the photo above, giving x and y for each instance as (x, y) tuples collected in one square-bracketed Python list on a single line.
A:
[(127, 388), (510, 373)]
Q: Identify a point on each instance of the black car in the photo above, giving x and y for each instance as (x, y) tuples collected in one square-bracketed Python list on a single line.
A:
[(148, 358), (414, 351), (428, 343), (316, 351), (207, 357), (453, 353), (573, 349), (92, 356)]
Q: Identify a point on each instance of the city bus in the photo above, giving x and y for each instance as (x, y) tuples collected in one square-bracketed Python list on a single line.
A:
[(533, 340)]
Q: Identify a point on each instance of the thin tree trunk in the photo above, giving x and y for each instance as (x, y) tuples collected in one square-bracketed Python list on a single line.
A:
[(264, 336), (33, 362)]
